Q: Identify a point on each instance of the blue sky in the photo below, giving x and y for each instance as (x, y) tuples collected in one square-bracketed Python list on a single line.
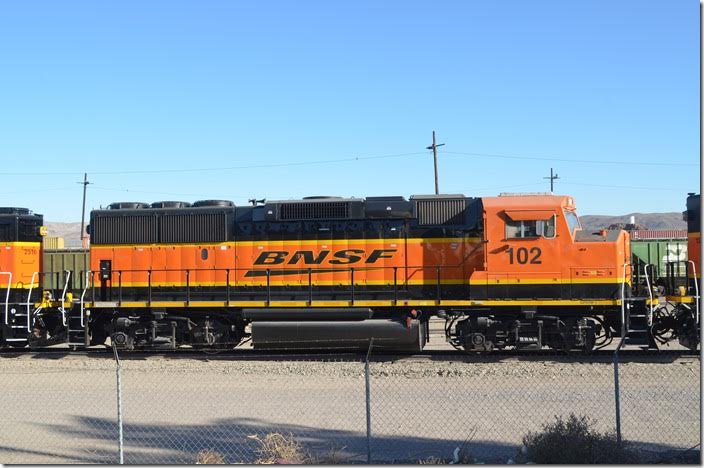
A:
[(282, 99)]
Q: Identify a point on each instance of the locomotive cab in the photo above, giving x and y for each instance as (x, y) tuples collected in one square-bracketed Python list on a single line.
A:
[(536, 248), (545, 281)]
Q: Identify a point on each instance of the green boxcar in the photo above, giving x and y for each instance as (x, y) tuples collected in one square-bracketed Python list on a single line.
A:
[(660, 252), (57, 261)]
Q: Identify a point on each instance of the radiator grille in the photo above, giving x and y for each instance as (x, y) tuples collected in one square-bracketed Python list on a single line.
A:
[(301, 211), (206, 227), (125, 230), (441, 211)]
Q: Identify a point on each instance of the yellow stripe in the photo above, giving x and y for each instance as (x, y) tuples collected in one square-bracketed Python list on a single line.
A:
[(493, 281), (20, 244), (297, 242), (694, 235), (360, 303), (681, 299)]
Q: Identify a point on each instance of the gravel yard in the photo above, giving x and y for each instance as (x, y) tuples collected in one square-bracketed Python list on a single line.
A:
[(62, 408)]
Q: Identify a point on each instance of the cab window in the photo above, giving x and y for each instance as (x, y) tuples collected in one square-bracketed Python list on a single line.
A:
[(572, 221), (530, 229)]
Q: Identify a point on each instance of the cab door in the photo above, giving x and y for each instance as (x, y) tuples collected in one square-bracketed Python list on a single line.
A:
[(523, 255)]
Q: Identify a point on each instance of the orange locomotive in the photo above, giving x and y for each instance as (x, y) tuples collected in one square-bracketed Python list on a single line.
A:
[(21, 234), (324, 272), (682, 311)]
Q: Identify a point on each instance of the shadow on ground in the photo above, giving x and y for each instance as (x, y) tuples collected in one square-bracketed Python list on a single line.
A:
[(96, 441)]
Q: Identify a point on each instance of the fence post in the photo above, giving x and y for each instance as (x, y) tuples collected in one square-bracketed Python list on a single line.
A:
[(118, 371), (368, 400), (617, 398), (624, 331)]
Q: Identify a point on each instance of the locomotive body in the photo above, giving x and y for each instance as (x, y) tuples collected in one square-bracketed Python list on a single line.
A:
[(20, 269), (694, 240), (513, 270), (684, 319)]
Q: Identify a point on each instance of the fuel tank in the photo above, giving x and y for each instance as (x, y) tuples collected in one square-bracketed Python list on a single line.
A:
[(388, 335)]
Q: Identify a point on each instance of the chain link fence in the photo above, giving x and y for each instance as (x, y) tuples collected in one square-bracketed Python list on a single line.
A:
[(247, 409), (52, 411)]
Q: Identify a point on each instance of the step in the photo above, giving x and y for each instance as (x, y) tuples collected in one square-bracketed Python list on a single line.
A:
[(642, 341)]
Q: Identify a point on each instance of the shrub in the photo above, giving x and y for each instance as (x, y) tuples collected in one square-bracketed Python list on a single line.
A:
[(575, 441), (275, 448), (209, 457)]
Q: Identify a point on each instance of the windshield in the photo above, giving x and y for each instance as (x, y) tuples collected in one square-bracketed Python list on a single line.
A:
[(572, 221)]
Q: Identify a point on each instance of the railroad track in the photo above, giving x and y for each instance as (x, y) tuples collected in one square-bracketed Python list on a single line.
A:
[(605, 355)]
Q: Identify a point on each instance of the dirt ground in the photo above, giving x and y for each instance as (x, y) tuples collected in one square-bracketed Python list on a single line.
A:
[(62, 408)]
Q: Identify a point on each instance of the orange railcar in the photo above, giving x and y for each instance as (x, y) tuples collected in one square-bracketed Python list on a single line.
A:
[(513, 270), (20, 272)]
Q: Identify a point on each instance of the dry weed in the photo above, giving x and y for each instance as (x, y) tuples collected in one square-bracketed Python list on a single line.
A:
[(276, 448), (432, 460), (209, 457), (333, 457)]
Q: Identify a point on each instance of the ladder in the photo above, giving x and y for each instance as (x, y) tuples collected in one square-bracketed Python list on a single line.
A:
[(638, 315), (77, 333), (638, 326)]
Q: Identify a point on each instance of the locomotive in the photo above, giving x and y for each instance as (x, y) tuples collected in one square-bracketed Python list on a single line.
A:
[(685, 298), (515, 271), (21, 234)]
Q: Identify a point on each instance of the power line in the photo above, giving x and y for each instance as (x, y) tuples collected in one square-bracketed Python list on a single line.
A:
[(582, 161), (658, 188), (345, 160), (128, 190), (217, 169), (56, 189), (351, 159)]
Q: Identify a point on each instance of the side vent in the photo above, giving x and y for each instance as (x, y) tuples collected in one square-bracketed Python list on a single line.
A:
[(194, 227), (314, 210), (140, 229), (445, 211)]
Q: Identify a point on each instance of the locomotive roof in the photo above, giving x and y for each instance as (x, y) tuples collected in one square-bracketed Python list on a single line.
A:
[(529, 202)]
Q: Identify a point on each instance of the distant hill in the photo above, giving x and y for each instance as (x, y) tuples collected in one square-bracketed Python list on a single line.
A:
[(649, 220), (71, 232)]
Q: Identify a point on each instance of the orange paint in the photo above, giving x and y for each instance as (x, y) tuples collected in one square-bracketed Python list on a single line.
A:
[(495, 259), (22, 259), (545, 260)]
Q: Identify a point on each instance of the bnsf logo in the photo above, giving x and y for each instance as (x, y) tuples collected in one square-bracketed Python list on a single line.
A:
[(308, 257)]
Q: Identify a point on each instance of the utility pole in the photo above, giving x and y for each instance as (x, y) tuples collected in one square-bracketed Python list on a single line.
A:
[(434, 147), (83, 210), (552, 179)]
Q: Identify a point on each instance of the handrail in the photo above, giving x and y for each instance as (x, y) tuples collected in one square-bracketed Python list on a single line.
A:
[(650, 293), (266, 276), (302, 269), (29, 298), (85, 289), (63, 298), (7, 294), (623, 310), (696, 290)]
